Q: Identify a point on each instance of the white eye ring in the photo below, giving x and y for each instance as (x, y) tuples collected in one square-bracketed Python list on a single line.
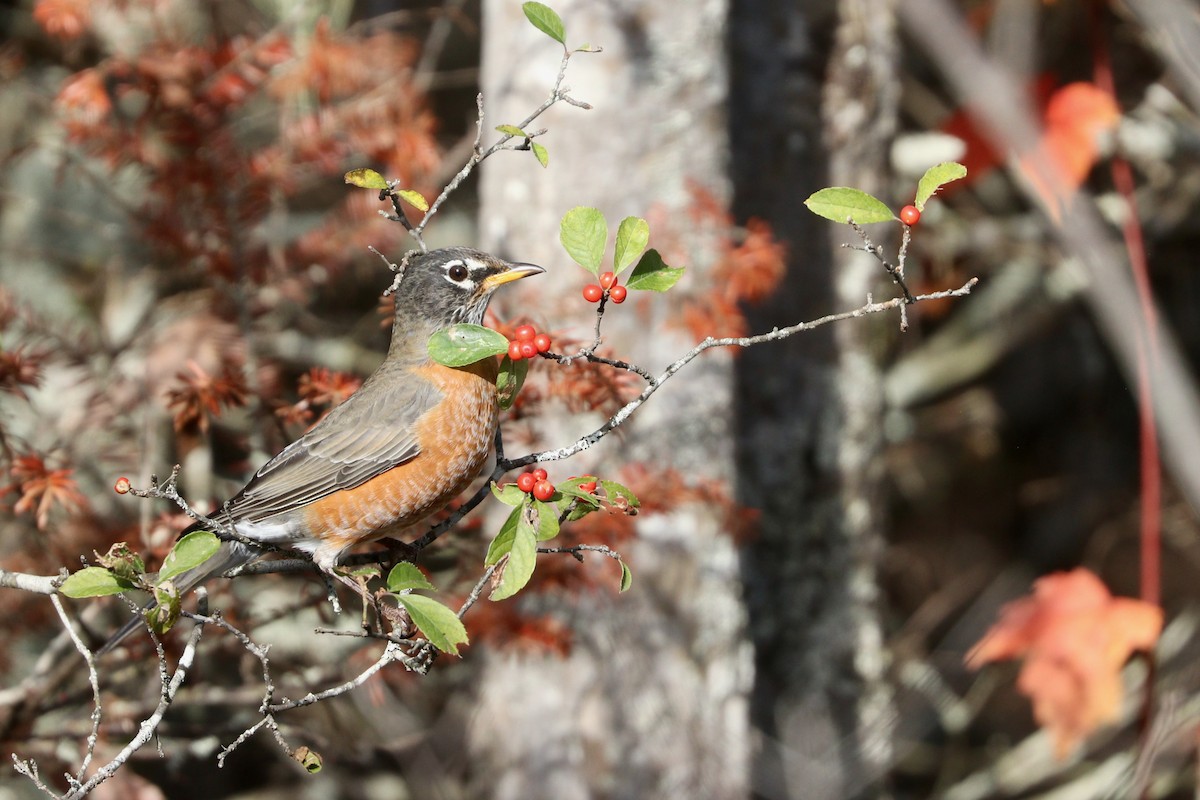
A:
[(457, 272)]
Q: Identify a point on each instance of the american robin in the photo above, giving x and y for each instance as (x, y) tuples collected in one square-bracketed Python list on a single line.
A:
[(410, 440)]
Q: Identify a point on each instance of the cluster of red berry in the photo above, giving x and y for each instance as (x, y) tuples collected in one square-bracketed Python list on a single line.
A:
[(527, 343), (608, 286), (536, 483)]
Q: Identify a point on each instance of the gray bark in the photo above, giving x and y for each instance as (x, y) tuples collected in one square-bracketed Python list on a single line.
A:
[(810, 409), (652, 701)]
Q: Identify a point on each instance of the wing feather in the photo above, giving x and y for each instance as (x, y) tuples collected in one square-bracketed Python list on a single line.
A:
[(369, 434)]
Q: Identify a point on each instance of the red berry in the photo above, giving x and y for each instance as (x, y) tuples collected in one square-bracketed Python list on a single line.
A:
[(543, 490), (514, 350), (526, 482), (525, 333), (617, 294), (608, 280), (542, 342), (540, 474), (589, 487), (122, 486), (910, 215), (528, 350), (592, 293)]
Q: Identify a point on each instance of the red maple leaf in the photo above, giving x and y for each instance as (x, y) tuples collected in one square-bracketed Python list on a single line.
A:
[(1075, 637), (42, 488)]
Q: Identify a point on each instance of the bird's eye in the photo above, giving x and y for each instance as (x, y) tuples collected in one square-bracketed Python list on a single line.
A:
[(458, 273)]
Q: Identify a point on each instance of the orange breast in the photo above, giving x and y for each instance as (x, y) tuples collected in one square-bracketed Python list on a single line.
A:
[(455, 438)]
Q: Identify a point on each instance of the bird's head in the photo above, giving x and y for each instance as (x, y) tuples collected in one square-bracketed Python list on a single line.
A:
[(452, 285)]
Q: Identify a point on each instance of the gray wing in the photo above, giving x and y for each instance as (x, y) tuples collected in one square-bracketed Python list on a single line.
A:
[(366, 436)]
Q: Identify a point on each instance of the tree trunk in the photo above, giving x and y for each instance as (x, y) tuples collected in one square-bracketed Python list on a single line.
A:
[(810, 409), (652, 700)]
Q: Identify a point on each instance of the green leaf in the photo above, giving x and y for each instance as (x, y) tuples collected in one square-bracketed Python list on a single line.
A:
[(436, 622), (587, 48), (547, 519), (368, 571), (935, 178), (541, 154), (502, 542), (583, 233), (626, 577), (123, 562), (463, 344), (619, 495), (632, 235), (522, 557), (94, 582), (414, 199), (163, 615), (510, 379), (189, 552), (309, 759), (365, 178), (405, 576), (652, 274), (511, 130), (841, 203), (545, 20), (509, 494)]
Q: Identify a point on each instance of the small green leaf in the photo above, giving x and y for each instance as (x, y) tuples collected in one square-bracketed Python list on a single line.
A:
[(405, 576), (587, 48), (365, 178), (94, 582), (632, 236), (626, 577), (652, 274), (369, 571), (511, 130), (547, 518), (935, 178), (189, 552), (510, 379), (122, 562), (436, 622), (546, 20), (414, 199), (309, 759), (463, 344), (583, 233), (522, 558), (509, 494), (502, 542), (619, 495), (163, 615), (841, 203), (540, 153)]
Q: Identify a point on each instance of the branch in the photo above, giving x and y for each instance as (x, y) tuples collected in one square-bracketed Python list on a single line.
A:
[(734, 341)]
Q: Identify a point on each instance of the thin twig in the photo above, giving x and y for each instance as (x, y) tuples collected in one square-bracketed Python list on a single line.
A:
[(734, 341)]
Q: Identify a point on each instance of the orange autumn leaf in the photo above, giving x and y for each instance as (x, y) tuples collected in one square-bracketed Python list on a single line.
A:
[(1075, 637), (1077, 118)]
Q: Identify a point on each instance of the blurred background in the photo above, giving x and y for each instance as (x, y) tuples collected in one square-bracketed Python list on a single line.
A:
[(830, 522)]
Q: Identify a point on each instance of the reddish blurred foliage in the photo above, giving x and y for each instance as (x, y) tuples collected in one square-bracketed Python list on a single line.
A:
[(19, 369), (748, 265), (43, 489), (63, 19), (1075, 117), (202, 396), (505, 626), (661, 490), (319, 389), (1075, 637)]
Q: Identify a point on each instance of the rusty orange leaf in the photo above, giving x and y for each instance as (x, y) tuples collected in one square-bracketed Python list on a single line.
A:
[(1075, 637)]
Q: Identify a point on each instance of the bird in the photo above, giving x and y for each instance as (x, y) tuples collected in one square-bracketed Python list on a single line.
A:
[(407, 442)]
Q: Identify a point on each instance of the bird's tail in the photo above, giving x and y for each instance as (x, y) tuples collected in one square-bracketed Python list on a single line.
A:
[(231, 555)]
